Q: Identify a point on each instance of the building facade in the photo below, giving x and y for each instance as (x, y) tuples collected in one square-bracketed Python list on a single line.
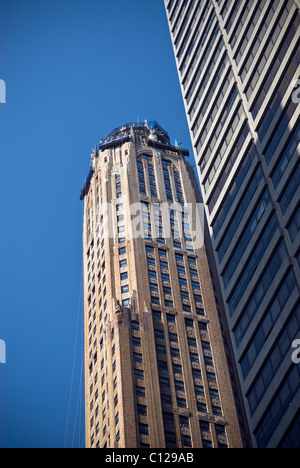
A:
[(156, 374), (239, 64)]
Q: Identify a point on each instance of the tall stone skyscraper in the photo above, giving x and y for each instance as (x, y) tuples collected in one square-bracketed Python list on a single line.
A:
[(238, 65), (156, 370)]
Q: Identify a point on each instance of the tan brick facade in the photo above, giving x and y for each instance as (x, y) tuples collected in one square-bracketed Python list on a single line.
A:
[(156, 370)]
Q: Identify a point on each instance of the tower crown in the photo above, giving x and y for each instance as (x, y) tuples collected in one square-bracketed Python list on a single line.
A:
[(147, 128)]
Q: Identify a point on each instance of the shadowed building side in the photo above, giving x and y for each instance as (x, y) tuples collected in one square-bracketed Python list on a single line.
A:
[(238, 65)]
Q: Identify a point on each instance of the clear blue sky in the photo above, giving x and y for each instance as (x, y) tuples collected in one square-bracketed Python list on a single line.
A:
[(74, 70)]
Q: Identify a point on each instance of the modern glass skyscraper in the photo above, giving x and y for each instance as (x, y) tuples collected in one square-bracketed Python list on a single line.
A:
[(238, 65), (156, 373)]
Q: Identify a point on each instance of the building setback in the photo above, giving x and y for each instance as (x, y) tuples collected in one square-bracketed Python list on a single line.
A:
[(238, 64), (156, 373)]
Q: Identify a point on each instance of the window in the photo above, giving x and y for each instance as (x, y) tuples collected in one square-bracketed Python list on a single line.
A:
[(271, 316), (185, 295), (253, 263), (180, 269), (140, 391), (115, 382), (139, 374), (233, 190), (155, 300), (164, 382), (135, 326), (179, 257), (175, 353), (208, 361), (125, 289), (162, 365), (159, 334), (136, 341), (173, 337), (217, 411), (184, 421), (181, 402), (197, 374), (142, 410), (156, 315), (151, 261), (153, 287), (199, 390), (177, 369), (123, 263), (205, 426), (278, 355), (161, 349), (143, 429), (252, 225), (192, 342), (194, 357), (152, 274), (170, 437), (220, 430), (189, 323), (166, 399), (259, 293), (168, 418), (183, 282), (201, 407), (179, 385), (211, 376), (120, 218), (207, 444), (124, 276), (214, 394), (171, 318), (122, 251), (162, 253), (290, 190), (186, 441), (287, 155)]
